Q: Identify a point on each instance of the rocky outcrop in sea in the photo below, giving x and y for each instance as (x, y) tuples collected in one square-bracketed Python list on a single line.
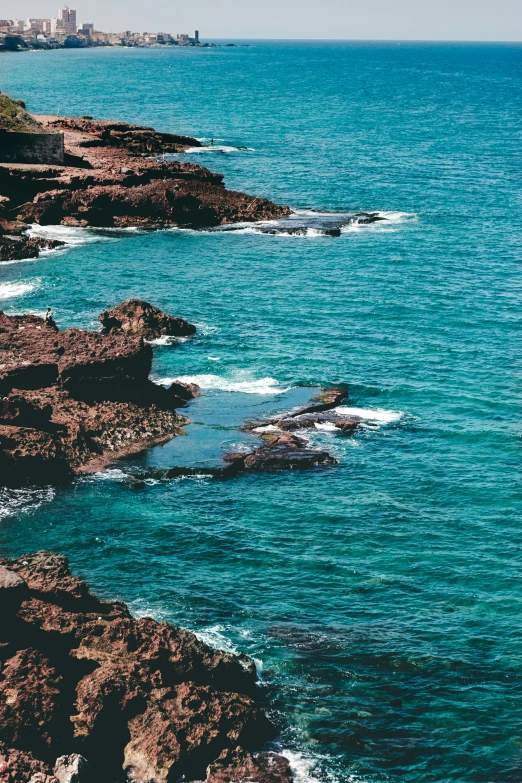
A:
[(115, 176), (72, 401), (90, 694)]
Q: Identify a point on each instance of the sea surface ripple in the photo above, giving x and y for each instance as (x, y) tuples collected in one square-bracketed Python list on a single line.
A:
[(381, 597)]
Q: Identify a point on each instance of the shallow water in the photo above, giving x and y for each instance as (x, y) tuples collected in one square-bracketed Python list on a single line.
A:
[(380, 597)]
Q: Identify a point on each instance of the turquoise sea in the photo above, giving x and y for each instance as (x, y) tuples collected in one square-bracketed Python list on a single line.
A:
[(381, 598)]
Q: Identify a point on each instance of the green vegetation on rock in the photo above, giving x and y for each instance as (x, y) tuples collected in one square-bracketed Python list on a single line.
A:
[(13, 117)]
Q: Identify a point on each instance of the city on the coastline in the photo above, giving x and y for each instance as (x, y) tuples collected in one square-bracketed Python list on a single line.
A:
[(64, 31)]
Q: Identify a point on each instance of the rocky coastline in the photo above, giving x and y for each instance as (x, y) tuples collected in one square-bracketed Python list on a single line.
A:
[(72, 401), (88, 693), (114, 176)]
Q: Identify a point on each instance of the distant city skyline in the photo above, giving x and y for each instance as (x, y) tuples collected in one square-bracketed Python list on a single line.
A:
[(482, 20)]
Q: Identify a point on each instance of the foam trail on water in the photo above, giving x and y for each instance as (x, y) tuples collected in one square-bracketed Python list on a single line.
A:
[(240, 383), (9, 290), (223, 148), (166, 339), (21, 501), (377, 415), (79, 236)]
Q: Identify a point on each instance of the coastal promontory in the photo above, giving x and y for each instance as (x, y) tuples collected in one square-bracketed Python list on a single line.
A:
[(113, 175)]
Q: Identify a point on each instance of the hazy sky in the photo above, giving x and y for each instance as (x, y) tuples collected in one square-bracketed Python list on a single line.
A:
[(478, 20)]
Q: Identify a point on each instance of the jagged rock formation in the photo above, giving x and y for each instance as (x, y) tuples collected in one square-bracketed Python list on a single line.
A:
[(311, 416), (280, 451), (71, 401), (113, 178), (138, 317), (16, 245), (86, 690)]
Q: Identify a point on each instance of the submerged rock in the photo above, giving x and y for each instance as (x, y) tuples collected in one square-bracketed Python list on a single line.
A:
[(138, 317), (280, 451), (94, 694)]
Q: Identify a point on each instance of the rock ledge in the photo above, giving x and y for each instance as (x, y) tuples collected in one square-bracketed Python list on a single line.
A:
[(89, 693)]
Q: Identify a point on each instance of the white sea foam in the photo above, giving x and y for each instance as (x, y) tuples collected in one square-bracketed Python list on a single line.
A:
[(239, 382), (374, 415), (219, 148), (305, 768), (267, 428), (21, 501), (326, 426), (215, 636), (77, 235), (391, 220), (9, 290), (167, 339)]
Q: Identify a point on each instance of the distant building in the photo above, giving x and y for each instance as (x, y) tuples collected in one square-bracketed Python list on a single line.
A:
[(196, 36), (37, 26), (87, 29), (67, 20)]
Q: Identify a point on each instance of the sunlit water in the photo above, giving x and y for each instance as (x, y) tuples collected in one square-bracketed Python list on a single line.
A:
[(381, 597)]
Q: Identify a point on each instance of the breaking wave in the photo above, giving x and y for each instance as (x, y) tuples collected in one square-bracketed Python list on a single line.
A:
[(240, 383), (21, 501), (86, 235), (378, 415), (9, 290), (312, 223)]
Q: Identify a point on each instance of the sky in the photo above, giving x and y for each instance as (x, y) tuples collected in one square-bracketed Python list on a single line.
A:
[(460, 20)]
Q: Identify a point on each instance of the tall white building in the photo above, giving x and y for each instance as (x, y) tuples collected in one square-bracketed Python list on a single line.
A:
[(67, 20)]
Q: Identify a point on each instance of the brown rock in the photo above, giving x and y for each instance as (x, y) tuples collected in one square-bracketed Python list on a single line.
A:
[(238, 766), (19, 766), (138, 317), (29, 702), (49, 578), (181, 731), (112, 178), (94, 681), (74, 399)]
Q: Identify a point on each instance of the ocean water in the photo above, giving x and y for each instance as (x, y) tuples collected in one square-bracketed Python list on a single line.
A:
[(381, 598)]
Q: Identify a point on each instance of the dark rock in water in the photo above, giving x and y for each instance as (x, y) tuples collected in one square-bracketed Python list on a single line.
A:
[(15, 244), (74, 400), (280, 451), (138, 317), (309, 223), (324, 401), (238, 765), (343, 425), (308, 416), (84, 681)]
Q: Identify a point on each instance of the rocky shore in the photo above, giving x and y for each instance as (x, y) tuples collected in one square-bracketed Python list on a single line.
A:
[(114, 177), (90, 694), (73, 401)]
